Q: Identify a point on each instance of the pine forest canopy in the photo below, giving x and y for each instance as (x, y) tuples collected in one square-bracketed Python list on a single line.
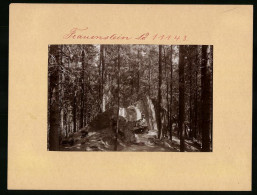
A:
[(113, 86)]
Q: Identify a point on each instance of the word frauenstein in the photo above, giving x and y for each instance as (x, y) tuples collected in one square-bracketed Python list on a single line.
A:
[(77, 33)]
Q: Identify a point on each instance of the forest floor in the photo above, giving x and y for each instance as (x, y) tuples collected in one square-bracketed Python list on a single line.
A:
[(104, 141)]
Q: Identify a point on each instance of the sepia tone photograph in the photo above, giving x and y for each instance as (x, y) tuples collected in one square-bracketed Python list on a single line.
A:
[(134, 98)]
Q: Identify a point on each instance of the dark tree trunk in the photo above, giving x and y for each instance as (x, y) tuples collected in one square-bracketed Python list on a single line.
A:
[(206, 101), (67, 124), (195, 83), (74, 108), (61, 97), (103, 78), (82, 90), (118, 103), (100, 96), (54, 115), (61, 91), (138, 72), (190, 94), (197, 93), (167, 94), (159, 94), (170, 104), (196, 105), (181, 97), (132, 72), (211, 96), (86, 88), (149, 78)]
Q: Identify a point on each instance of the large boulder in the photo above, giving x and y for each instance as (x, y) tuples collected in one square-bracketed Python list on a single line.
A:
[(128, 117), (103, 120)]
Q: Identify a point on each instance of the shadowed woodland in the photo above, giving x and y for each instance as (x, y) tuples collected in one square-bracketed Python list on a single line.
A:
[(130, 98)]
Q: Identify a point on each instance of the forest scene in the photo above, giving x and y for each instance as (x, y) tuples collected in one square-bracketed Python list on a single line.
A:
[(149, 98)]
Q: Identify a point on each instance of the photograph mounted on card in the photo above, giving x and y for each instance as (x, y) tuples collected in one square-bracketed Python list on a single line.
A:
[(127, 93)]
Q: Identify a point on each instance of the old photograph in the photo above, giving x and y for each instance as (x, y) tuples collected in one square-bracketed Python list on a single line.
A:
[(134, 98)]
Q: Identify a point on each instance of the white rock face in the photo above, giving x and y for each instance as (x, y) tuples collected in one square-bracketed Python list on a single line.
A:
[(122, 112), (134, 112)]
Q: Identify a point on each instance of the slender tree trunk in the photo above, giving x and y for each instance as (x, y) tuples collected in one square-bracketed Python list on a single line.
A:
[(86, 88), (181, 97), (117, 128), (205, 101), (211, 96), (159, 93), (74, 113), (67, 123), (86, 98), (82, 80), (170, 104), (103, 78), (54, 118), (196, 62), (149, 78), (111, 87), (167, 94), (138, 73), (132, 80), (196, 104), (62, 106), (190, 96), (61, 93), (100, 98)]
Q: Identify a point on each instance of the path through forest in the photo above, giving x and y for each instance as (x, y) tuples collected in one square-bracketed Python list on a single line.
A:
[(104, 141)]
